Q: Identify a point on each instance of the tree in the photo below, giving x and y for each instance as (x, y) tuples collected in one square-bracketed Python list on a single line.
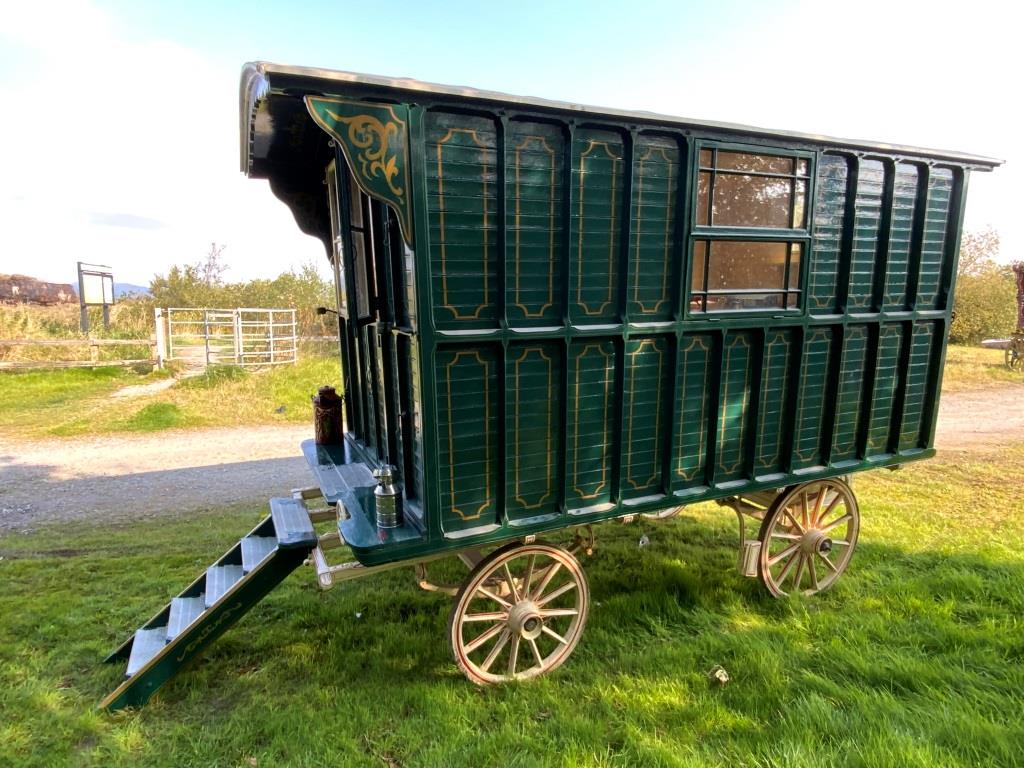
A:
[(986, 292)]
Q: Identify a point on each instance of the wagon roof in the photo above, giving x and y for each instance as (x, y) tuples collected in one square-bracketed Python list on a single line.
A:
[(261, 79)]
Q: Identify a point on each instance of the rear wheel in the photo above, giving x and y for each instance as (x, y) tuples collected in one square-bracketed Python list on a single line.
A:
[(807, 538), (1012, 356), (520, 613)]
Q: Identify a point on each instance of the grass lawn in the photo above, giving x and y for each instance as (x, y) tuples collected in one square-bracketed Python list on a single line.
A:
[(915, 658), (78, 401)]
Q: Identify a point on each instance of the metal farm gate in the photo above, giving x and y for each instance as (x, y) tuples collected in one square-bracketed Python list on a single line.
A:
[(246, 336)]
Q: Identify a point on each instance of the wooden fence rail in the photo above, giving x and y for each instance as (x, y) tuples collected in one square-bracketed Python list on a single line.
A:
[(93, 345)]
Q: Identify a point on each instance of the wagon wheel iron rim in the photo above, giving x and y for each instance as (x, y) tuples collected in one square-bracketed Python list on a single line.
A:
[(808, 537), (520, 614)]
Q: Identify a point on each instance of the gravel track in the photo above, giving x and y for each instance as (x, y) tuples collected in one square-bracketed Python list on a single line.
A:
[(125, 477)]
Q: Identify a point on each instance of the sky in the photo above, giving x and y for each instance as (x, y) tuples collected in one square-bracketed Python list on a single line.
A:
[(120, 119)]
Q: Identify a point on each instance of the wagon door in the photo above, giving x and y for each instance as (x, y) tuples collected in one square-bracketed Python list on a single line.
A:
[(375, 325)]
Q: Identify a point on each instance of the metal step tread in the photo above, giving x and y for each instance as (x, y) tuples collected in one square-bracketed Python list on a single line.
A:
[(219, 579), (291, 523), (255, 549), (147, 644), (184, 610)]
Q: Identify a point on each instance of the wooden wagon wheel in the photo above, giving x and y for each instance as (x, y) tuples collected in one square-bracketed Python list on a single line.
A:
[(808, 537), (1012, 356), (520, 613)]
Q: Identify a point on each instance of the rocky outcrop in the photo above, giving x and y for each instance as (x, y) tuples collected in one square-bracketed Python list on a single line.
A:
[(21, 289)]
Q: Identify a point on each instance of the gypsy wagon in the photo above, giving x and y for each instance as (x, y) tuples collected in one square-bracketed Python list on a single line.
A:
[(552, 315)]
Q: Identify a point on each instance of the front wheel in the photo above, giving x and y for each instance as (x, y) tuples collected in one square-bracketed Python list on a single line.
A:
[(807, 538), (520, 613)]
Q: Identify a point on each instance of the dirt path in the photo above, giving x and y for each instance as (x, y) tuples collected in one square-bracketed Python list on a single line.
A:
[(181, 471)]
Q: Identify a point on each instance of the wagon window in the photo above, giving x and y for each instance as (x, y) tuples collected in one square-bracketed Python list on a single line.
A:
[(731, 275), (743, 189), (750, 229)]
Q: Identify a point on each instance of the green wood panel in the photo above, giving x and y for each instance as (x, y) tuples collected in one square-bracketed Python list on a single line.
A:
[(534, 414), (812, 397), (850, 393), (599, 184), (900, 235), (647, 412), (870, 181), (468, 383), (590, 422), (656, 189), (734, 406), (918, 378), (772, 417), (933, 245), (886, 380), (829, 212), (535, 158), (694, 370), (462, 212)]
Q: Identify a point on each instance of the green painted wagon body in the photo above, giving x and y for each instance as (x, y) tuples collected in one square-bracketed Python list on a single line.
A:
[(554, 315)]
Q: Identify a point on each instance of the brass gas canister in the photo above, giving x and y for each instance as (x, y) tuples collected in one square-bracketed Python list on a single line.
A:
[(327, 416)]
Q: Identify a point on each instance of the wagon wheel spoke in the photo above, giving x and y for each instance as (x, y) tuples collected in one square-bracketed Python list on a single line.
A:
[(548, 576), (489, 616), (528, 578), (829, 563), (511, 584), (836, 523), (786, 536), (784, 554), (815, 516), (550, 613), (796, 524), (536, 653), (483, 637), (556, 594), (787, 568), (805, 510), (499, 600), (813, 573), (502, 640), (513, 656), (801, 561), (551, 633), (830, 508)]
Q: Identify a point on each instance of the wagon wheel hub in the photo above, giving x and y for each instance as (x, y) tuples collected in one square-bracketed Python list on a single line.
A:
[(816, 542), (525, 620)]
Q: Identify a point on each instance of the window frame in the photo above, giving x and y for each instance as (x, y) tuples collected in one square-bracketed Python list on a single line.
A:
[(712, 234)]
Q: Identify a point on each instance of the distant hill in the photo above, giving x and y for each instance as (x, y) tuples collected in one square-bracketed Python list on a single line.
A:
[(123, 289)]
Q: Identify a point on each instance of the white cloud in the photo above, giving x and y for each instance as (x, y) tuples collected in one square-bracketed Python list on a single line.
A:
[(112, 127)]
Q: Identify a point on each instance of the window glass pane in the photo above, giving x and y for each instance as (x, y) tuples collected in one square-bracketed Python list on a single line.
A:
[(747, 265), (705, 158), (799, 205), (742, 161), (699, 260), (801, 167), (751, 201), (703, 185), (794, 266), (355, 203), (733, 302)]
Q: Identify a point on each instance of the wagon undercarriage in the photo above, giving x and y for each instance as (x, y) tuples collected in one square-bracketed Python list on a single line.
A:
[(523, 606)]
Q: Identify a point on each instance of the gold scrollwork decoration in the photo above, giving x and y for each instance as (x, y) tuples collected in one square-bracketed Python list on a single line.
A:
[(373, 138)]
